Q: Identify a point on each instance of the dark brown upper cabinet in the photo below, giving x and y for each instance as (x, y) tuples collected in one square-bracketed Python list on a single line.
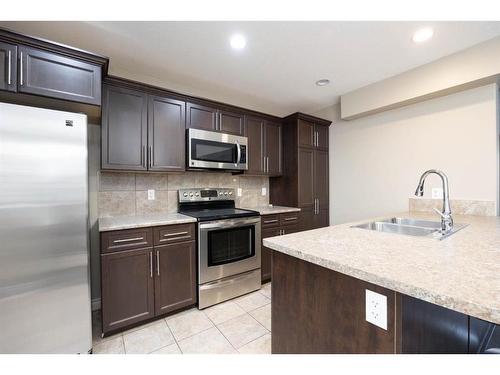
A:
[(124, 129), (127, 288), (175, 276), (201, 117), (231, 122), (305, 151), (166, 134), (312, 135), (50, 74), (254, 130), (142, 132), (273, 149), (264, 147), (8, 67), (214, 119)]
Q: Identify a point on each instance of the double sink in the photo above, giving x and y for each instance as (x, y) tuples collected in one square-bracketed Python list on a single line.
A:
[(410, 227)]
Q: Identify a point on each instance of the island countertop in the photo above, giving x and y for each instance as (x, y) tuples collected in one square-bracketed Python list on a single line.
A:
[(461, 272)]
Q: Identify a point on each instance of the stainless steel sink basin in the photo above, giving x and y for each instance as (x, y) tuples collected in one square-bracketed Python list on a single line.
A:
[(410, 227)]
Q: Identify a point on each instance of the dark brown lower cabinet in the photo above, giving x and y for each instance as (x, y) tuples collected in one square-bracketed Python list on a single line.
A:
[(127, 288), (275, 225), (140, 283), (175, 280)]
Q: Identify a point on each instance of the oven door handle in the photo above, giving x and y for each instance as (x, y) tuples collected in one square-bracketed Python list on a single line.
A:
[(238, 157), (229, 223)]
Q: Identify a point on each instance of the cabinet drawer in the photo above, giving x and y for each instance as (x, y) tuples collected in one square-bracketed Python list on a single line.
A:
[(173, 233), (270, 221), (289, 218), (127, 239)]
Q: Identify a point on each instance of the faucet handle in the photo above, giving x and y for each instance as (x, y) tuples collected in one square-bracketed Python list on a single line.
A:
[(438, 212)]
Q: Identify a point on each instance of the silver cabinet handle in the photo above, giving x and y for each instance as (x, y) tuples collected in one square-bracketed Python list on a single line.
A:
[(150, 156), (267, 164), (21, 68), (315, 206), (151, 264), (9, 69), (290, 218), (128, 239), (283, 232), (270, 221), (157, 262), (175, 234), (143, 156)]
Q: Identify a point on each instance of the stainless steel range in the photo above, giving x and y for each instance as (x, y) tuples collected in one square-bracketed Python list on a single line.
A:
[(228, 244)]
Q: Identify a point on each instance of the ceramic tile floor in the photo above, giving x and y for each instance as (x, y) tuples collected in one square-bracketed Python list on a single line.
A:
[(241, 325)]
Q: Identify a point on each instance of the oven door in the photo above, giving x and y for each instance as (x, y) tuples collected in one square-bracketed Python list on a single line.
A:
[(214, 150), (228, 247)]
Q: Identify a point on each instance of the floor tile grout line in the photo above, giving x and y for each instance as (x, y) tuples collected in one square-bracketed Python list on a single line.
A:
[(267, 333), (173, 336)]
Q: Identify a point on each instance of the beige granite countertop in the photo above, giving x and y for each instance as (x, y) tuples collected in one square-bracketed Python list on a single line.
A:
[(141, 221), (461, 272), (269, 210)]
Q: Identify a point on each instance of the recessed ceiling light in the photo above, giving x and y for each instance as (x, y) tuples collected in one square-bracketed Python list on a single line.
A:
[(238, 41), (323, 82), (422, 35)]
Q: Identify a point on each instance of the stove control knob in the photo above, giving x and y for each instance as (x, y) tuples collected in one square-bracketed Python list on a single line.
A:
[(185, 194), (225, 193), (197, 194), (230, 193), (221, 193), (191, 194)]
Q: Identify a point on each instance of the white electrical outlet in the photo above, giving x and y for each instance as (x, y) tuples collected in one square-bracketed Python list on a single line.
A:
[(264, 192), (376, 309), (151, 195), (437, 193), (239, 192)]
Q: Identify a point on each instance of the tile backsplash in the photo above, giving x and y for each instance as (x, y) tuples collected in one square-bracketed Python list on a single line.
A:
[(122, 193)]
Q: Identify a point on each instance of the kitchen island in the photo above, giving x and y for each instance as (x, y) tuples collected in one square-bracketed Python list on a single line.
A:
[(442, 296)]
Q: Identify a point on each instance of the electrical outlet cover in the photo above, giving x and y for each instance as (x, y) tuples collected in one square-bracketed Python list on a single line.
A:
[(437, 193), (151, 195), (376, 309), (239, 192), (264, 192)]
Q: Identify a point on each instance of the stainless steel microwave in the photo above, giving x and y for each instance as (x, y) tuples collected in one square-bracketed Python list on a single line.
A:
[(213, 150)]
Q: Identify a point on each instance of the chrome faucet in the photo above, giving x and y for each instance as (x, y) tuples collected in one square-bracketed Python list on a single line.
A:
[(446, 219)]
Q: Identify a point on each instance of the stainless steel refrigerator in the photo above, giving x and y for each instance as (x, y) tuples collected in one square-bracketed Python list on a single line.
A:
[(44, 258)]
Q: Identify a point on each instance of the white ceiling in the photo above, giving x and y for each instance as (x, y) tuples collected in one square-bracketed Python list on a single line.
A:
[(277, 71)]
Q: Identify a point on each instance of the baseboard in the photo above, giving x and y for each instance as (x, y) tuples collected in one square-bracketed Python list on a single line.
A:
[(96, 304)]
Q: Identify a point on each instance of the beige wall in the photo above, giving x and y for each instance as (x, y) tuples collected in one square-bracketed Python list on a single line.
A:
[(472, 67), (376, 161)]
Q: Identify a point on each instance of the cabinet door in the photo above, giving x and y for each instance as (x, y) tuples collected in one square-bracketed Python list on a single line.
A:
[(307, 217), (273, 149), (124, 129), (321, 137), (166, 134), (231, 122), (306, 133), (321, 219), (8, 67), (175, 276), (201, 117), (306, 178), (266, 253), (56, 76), (321, 179), (127, 288), (255, 151)]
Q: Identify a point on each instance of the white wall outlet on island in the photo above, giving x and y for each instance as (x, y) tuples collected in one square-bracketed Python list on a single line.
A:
[(264, 192), (437, 193), (151, 195), (376, 309)]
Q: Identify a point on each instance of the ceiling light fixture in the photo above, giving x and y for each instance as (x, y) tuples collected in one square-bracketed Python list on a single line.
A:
[(322, 82), (238, 41), (422, 35)]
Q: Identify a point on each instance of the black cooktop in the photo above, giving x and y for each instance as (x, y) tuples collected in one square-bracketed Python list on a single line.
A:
[(209, 214)]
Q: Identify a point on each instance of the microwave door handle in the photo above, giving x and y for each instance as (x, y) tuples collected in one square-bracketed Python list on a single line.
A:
[(238, 158)]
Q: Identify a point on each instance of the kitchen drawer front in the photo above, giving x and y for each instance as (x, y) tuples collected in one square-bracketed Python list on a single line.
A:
[(289, 218), (127, 239), (174, 233), (270, 221)]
